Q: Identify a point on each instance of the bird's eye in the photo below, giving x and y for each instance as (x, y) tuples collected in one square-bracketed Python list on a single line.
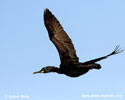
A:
[(42, 71)]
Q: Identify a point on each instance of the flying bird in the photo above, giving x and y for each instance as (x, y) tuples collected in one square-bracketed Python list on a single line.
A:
[(70, 64)]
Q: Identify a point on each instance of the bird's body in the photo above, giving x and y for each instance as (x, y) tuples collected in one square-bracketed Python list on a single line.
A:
[(70, 64), (75, 70)]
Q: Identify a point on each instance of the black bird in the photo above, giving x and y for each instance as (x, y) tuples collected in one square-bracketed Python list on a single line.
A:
[(70, 64)]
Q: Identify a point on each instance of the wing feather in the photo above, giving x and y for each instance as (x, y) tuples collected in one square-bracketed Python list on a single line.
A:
[(60, 39)]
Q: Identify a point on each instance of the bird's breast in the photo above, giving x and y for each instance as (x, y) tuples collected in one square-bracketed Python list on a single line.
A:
[(75, 72)]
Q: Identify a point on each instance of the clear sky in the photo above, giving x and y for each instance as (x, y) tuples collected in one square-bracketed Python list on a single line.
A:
[(95, 27)]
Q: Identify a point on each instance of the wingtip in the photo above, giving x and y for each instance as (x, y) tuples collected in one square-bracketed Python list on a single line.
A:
[(47, 15), (118, 49), (46, 10)]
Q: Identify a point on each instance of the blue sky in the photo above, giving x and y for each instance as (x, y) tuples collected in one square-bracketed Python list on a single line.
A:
[(95, 27)]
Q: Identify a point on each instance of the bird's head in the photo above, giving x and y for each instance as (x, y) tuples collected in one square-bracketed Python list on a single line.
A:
[(43, 70), (47, 70)]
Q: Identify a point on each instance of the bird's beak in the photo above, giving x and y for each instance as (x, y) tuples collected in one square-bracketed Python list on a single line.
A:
[(36, 72)]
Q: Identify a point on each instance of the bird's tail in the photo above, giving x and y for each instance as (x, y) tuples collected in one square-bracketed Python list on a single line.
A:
[(94, 66)]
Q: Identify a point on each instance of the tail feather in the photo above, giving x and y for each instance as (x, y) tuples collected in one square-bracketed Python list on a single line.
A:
[(94, 66)]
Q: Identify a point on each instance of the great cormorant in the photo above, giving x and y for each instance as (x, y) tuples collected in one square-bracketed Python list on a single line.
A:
[(70, 64)]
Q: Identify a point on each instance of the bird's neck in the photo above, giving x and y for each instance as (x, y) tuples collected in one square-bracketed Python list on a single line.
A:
[(53, 69)]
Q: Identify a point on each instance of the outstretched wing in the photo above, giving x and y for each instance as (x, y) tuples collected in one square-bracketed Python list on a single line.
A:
[(117, 50), (60, 39)]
